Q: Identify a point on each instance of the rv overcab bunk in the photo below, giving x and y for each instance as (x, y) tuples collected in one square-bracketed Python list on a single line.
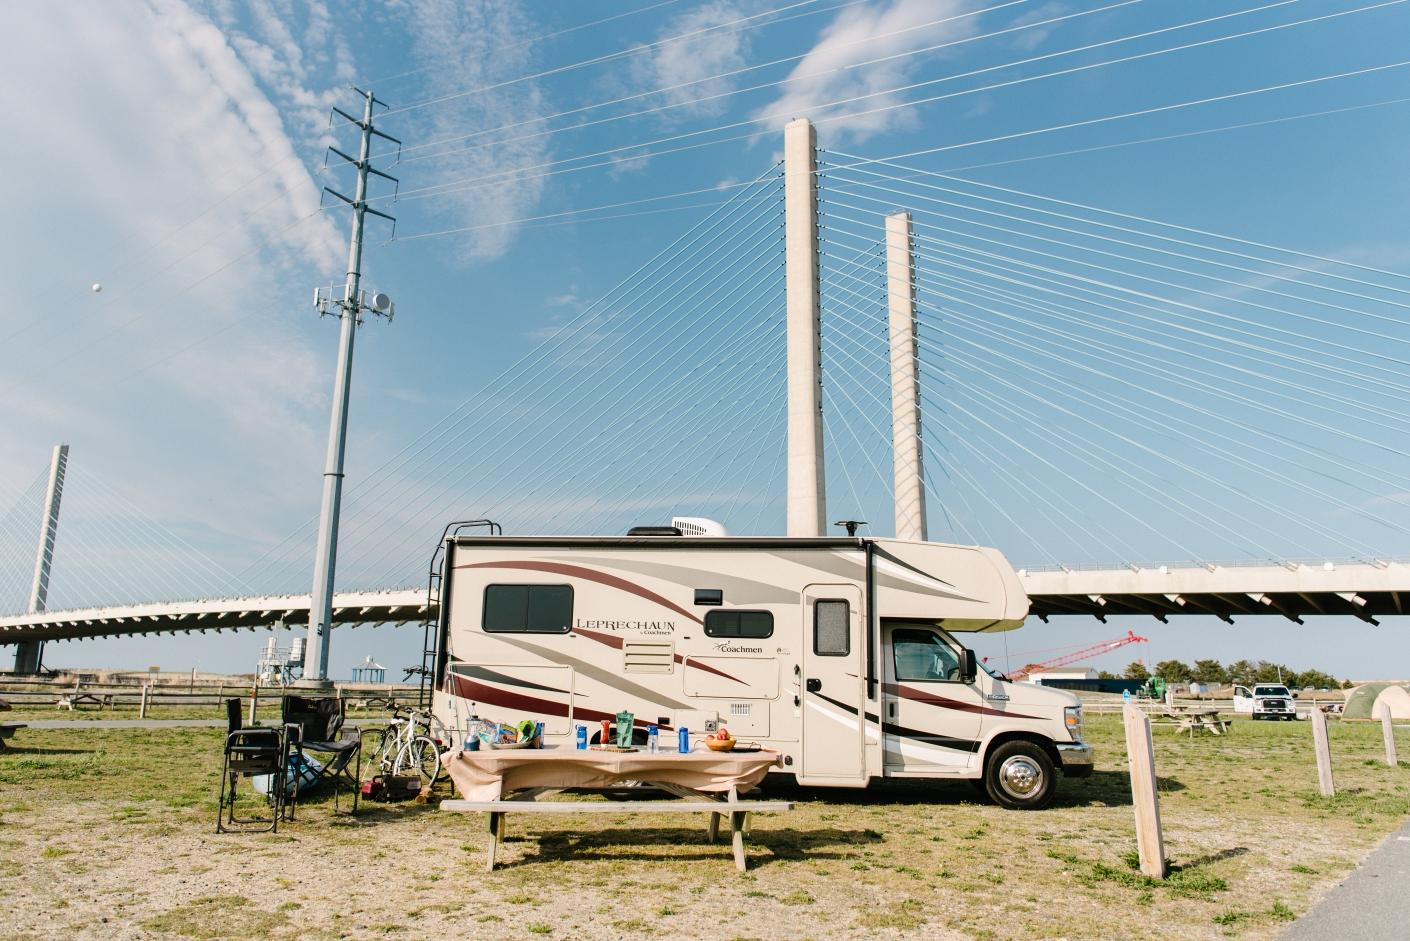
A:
[(839, 653)]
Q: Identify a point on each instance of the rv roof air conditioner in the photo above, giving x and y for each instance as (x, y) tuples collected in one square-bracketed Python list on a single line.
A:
[(683, 526), (699, 526)]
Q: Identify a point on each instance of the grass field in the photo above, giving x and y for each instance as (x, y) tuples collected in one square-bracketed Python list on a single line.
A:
[(110, 834)]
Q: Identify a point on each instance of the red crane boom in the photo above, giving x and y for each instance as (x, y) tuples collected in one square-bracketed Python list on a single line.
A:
[(1105, 646)]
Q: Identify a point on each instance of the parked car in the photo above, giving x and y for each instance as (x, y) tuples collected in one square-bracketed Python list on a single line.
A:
[(1265, 701)]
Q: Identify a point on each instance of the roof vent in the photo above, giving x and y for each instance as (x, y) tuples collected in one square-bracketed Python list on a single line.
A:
[(699, 526), (653, 531)]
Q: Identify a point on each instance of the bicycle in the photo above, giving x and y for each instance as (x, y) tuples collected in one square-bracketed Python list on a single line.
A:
[(406, 744)]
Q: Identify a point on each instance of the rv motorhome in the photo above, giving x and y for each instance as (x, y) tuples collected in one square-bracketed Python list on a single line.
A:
[(839, 653)]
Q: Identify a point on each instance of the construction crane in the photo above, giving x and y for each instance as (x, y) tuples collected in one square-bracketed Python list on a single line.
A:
[(1093, 650)]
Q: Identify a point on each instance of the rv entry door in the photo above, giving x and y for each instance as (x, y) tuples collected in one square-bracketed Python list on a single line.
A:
[(834, 692)]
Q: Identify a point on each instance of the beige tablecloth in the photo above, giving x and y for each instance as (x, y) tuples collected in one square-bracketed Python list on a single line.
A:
[(486, 775)]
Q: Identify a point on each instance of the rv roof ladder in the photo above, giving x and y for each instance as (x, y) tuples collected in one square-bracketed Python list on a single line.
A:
[(431, 625)]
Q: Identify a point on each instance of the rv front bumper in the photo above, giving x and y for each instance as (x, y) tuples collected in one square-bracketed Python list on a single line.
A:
[(1076, 758)]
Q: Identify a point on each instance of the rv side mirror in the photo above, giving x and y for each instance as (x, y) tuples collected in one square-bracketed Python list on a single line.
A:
[(968, 668)]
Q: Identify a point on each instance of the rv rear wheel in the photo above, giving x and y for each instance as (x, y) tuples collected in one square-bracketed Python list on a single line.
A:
[(1019, 776)]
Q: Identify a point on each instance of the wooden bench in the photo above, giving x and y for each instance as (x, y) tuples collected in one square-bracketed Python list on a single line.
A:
[(7, 729), (737, 809)]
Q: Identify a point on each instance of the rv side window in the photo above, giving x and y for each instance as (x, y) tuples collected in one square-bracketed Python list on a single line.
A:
[(739, 624), (528, 609), (832, 629)]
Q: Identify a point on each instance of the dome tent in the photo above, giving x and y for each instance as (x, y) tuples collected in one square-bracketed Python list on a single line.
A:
[(1361, 701), (1394, 698)]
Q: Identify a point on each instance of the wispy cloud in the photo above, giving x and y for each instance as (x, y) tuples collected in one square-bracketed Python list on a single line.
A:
[(471, 45), (693, 62), (822, 75)]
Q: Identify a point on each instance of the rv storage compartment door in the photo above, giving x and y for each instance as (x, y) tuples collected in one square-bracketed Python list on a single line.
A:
[(834, 688), (746, 684)]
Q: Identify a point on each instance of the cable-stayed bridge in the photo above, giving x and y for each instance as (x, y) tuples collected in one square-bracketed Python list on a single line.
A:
[(1083, 385)]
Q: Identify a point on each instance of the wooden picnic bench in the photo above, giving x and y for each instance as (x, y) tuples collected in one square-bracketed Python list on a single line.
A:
[(738, 811), (8, 729), (503, 782), (1189, 719)]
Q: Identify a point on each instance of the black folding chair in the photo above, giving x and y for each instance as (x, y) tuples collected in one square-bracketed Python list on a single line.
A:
[(315, 725), (250, 751)]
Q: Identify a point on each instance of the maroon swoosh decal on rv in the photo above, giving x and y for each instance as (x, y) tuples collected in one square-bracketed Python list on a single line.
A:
[(602, 578), (474, 690), (944, 702)]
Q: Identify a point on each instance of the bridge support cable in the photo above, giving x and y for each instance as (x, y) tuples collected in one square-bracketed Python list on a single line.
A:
[(17, 528), (1075, 316), (1398, 276), (856, 188), (1099, 350), (1041, 503), (717, 300), (1310, 344), (1216, 522), (660, 293)]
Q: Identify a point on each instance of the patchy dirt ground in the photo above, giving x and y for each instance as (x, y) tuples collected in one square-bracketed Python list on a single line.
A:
[(110, 834)]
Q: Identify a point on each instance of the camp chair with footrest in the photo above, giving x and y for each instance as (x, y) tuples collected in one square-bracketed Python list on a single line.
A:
[(248, 752), (315, 724)]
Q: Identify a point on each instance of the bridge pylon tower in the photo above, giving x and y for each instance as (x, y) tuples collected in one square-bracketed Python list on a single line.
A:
[(29, 654)]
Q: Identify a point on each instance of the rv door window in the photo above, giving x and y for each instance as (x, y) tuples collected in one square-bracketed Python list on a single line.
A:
[(528, 609), (832, 629), (739, 624), (922, 656)]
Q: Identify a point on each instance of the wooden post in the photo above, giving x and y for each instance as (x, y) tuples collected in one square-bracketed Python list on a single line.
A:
[(146, 694), (1140, 752), (254, 703), (1388, 733), (1324, 753)]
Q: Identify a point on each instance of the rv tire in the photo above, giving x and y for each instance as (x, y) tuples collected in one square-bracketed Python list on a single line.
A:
[(1019, 775)]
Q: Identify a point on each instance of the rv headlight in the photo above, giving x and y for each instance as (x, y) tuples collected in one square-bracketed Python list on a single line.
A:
[(1072, 717)]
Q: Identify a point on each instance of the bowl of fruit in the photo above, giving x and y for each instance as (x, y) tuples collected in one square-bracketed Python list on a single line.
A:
[(720, 740)]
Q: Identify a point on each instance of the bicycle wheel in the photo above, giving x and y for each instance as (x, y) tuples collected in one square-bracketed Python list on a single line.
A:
[(383, 749), (421, 756)]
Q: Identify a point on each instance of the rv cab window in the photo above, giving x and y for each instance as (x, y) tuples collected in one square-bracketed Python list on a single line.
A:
[(739, 624), (528, 609), (923, 656)]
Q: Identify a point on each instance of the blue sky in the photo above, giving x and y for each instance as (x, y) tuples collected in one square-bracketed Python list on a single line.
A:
[(173, 152)]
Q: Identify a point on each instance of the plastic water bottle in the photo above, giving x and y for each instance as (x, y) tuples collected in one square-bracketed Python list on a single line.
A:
[(684, 740), (653, 739), (582, 738)]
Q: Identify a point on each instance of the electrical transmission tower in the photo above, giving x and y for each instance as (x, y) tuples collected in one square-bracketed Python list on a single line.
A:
[(349, 311)]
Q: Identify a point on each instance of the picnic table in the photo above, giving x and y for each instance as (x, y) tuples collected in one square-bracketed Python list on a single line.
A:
[(79, 697), (504, 781), (1196, 718)]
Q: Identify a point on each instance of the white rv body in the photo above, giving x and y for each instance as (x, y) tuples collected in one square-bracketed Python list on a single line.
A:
[(838, 653)]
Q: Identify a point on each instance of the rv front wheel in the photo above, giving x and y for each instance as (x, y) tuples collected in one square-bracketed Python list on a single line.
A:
[(1019, 776)]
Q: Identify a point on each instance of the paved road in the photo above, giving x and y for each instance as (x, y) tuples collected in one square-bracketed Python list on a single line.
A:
[(1371, 904), (122, 723)]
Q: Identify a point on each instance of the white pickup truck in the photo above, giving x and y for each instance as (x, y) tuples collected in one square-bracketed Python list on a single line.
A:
[(1265, 701)]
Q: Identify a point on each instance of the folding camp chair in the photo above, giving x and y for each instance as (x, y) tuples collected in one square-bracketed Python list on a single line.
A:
[(248, 752), (315, 725)]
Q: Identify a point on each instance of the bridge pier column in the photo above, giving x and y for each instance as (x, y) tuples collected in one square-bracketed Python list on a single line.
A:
[(906, 467), (806, 498)]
